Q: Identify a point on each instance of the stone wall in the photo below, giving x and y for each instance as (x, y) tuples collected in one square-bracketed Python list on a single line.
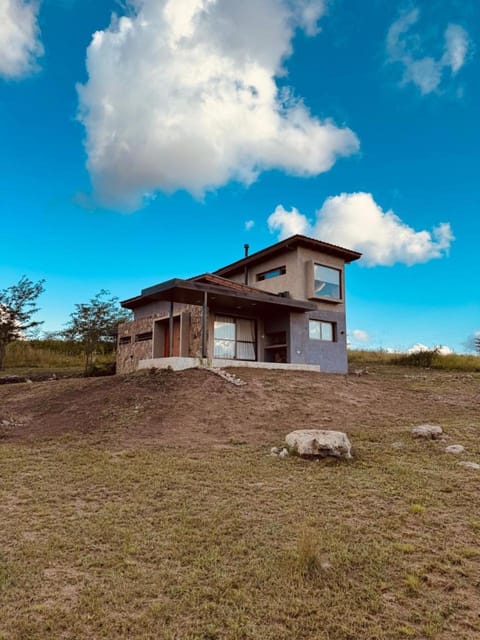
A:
[(129, 354)]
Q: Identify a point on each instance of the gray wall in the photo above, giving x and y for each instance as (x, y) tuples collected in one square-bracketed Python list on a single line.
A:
[(331, 356)]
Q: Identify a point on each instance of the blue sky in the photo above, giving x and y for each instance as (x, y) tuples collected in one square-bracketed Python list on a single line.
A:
[(192, 122)]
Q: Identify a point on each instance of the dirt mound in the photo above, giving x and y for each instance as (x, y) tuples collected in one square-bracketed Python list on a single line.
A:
[(195, 407)]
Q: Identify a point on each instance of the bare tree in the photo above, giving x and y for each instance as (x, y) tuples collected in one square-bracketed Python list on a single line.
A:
[(17, 306)]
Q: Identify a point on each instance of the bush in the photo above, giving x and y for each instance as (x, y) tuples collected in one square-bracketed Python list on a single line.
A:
[(424, 359)]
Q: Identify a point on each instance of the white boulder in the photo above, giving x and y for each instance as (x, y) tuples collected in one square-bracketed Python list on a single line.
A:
[(315, 442), (429, 431), (455, 448), (470, 465)]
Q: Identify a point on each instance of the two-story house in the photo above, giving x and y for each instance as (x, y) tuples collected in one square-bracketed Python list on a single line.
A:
[(280, 307)]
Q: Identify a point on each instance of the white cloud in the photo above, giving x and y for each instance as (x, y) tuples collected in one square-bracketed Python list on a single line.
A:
[(249, 224), (425, 71), (441, 349), (356, 221), (182, 95), (20, 46), (359, 335), (418, 348)]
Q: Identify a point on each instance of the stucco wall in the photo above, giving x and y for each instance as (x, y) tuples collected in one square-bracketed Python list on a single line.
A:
[(331, 356)]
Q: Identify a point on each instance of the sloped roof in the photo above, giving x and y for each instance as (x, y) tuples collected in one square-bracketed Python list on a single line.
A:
[(289, 243)]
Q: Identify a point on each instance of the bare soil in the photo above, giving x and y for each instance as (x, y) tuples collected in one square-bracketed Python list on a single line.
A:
[(199, 409)]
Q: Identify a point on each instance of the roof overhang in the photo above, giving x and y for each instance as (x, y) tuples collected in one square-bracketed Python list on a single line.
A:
[(289, 244), (191, 292)]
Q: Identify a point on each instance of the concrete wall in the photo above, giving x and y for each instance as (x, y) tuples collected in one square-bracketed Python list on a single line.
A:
[(330, 356)]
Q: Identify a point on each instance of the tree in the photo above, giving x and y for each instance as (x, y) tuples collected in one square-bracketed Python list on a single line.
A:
[(17, 306), (94, 323)]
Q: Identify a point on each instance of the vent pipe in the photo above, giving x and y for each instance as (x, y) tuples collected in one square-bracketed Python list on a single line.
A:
[(246, 247)]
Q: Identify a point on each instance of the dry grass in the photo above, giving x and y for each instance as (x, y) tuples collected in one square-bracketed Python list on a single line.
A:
[(152, 542), (451, 362)]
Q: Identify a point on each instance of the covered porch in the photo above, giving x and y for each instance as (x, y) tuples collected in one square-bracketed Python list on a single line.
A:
[(236, 323)]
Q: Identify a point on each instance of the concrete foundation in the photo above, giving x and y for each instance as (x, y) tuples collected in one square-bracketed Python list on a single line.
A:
[(179, 364)]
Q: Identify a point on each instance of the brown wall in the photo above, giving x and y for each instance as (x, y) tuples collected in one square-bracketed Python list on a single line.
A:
[(297, 281)]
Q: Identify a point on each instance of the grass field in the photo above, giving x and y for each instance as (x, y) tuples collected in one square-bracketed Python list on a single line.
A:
[(161, 514)]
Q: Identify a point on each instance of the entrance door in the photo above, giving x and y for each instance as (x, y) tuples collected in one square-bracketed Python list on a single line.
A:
[(176, 338)]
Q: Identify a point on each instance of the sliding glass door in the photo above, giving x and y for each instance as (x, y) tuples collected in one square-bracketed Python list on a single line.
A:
[(234, 338)]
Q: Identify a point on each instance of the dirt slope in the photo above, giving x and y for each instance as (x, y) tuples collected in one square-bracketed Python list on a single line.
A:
[(197, 408)]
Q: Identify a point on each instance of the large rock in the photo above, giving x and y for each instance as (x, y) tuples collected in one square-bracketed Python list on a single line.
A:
[(455, 448), (314, 442), (470, 465), (429, 431)]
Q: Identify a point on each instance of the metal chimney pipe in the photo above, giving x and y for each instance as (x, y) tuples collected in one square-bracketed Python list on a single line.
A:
[(246, 247)]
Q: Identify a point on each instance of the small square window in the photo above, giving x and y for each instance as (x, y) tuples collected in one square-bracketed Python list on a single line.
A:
[(320, 330)]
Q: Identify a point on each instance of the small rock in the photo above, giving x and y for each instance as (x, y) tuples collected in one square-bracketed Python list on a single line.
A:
[(318, 443), (283, 453), (274, 451), (397, 445), (429, 431), (455, 448), (326, 565), (470, 465)]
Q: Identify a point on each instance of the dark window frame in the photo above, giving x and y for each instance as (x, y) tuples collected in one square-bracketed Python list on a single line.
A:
[(125, 340), (235, 341), (144, 337), (333, 326), (340, 282), (267, 275)]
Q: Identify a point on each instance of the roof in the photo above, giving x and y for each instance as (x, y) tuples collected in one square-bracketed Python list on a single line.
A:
[(226, 295), (289, 244)]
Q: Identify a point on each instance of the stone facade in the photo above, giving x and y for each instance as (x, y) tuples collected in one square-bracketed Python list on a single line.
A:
[(130, 352)]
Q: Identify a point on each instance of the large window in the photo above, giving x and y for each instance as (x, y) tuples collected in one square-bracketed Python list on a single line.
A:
[(234, 338), (327, 282), (320, 330)]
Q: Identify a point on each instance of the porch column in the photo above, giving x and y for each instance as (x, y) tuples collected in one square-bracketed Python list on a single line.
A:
[(170, 331), (204, 324)]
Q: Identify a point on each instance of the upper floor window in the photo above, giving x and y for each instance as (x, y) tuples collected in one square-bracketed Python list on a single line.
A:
[(273, 273), (327, 282)]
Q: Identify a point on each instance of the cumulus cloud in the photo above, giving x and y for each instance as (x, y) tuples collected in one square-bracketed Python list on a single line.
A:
[(182, 94), (249, 224), (359, 335), (425, 71), (20, 46), (356, 221), (441, 349)]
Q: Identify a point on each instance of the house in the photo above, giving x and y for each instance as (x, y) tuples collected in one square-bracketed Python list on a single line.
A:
[(282, 307)]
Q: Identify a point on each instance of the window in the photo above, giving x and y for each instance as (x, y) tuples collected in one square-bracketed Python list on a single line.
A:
[(327, 282), (234, 338), (320, 330), (273, 273), (142, 337), (125, 340)]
